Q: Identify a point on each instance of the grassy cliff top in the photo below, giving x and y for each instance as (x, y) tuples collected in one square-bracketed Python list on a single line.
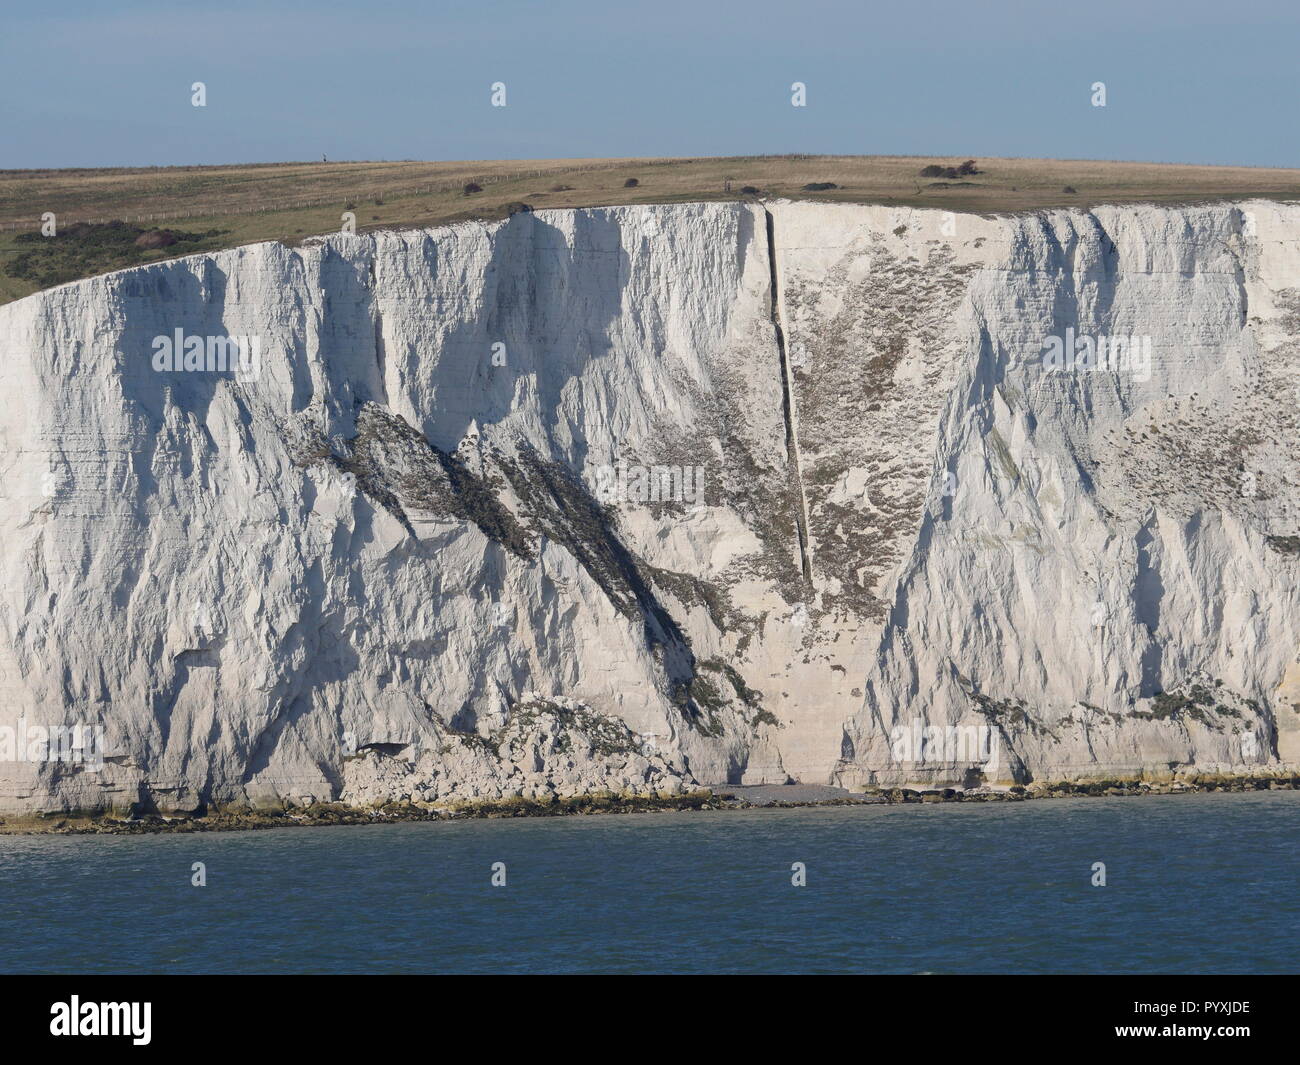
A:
[(210, 207)]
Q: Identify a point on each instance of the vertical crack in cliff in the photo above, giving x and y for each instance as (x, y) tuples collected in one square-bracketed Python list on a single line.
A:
[(787, 405), (381, 354)]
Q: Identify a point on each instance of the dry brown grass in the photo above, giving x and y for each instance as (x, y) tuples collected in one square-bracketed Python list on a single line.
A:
[(287, 201)]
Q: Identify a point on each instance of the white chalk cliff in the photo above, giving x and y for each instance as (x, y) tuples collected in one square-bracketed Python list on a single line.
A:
[(378, 568)]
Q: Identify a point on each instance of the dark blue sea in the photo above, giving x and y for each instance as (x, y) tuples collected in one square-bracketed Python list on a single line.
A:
[(1194, 884)]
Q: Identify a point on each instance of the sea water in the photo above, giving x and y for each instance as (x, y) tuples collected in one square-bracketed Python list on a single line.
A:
[(1191, 883)]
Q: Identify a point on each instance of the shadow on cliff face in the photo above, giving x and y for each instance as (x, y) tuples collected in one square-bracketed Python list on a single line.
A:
[(190, 297), (551, 304), (350, 346), (1148, 592)]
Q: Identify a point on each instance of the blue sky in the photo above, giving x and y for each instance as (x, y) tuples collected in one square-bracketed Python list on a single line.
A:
[(95, 84)]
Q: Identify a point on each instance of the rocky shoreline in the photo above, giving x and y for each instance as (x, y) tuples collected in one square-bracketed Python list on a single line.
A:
[(720, 798), (1095, 789), (336, 813)]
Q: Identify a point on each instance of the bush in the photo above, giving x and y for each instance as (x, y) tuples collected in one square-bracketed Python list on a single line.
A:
[(85, 248), (965, 169), (1070, 189), (820, 186), (749, 190), (631, 183), (471, 188), (156, 238)]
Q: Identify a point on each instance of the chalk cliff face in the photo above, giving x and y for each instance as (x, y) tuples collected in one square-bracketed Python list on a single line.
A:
[(642, 498)]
